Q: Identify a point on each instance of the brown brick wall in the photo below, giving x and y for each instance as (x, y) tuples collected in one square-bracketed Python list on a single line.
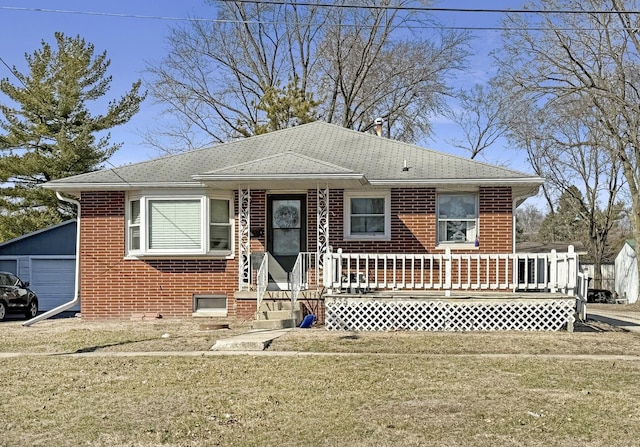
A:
[(496, 222), (413, 223), (115, 287)]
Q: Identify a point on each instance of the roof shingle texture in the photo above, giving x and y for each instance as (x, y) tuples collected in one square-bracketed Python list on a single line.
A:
[(311, 148)]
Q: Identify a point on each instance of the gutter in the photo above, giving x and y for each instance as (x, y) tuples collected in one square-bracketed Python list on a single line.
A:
[(76, 291)]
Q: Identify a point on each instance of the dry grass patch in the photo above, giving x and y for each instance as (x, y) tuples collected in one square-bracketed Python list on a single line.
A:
[(76, 335), (404, 342), (360, 400), (417, 396)]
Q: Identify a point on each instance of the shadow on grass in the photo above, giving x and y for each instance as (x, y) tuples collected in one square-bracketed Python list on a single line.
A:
[(109, 345), (89, 349), (601, 325)]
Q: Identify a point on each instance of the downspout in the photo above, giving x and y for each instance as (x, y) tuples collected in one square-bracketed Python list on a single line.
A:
[(76, 291)]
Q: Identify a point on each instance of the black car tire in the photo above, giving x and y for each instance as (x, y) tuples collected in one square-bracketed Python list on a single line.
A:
[(32, 310), (3, 311)]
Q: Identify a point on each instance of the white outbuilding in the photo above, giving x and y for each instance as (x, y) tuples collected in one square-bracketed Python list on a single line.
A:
[(626, 266)]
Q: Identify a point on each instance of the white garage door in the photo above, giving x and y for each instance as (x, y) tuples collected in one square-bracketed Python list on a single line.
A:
[(53, 281)]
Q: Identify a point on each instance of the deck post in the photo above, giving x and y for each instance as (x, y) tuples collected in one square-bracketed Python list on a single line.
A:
[(447, 268), (328, 269), (553, 274), (572, 271)]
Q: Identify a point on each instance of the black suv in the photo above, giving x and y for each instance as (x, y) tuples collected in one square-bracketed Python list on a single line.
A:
[(16, 297)]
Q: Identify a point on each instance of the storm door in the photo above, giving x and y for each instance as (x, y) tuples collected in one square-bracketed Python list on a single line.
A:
[(286, 232)]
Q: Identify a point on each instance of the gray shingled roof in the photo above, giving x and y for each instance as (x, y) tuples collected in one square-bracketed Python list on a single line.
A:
[(314, 151)]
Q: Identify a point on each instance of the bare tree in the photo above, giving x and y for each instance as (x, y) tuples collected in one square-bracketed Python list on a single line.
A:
[(351, 59), (480, 118), (571, 151), (528, 221), (572, 78)]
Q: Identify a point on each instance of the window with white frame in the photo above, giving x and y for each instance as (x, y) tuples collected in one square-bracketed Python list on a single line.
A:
[(457, 218), (161, 225), (134, 225), (219, 225), (367, 215)]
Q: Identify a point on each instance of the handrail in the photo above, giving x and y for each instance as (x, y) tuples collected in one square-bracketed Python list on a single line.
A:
[(296, 281), (300, 274), (262, 281)]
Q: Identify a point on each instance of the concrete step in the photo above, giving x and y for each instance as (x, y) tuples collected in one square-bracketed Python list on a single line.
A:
[(251, 341), (268, 306), (279, 315), (273, 324), (278, 294)]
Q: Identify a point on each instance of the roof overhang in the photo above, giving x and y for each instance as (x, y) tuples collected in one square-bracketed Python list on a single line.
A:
[(522, 188), (74, 188)]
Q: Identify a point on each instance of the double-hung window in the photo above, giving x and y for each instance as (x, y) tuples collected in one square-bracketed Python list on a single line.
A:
[(219, 225), (367, 215), (190, 225), (457, 218)]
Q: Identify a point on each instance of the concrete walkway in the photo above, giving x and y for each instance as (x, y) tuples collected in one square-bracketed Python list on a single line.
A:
[(257, 340), (629, 321)]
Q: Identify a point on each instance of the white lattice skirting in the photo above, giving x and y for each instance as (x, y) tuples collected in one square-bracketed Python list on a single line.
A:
[(362, 314)]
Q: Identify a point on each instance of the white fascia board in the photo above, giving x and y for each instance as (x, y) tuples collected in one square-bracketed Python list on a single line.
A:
[(530, 181), (77, 187)]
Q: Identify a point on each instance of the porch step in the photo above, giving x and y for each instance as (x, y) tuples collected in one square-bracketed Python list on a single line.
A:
[(273, 324), (277, 315), (277, 294), (268, 306)]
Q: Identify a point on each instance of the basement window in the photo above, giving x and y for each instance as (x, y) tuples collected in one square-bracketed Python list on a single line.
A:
[(214, 305)]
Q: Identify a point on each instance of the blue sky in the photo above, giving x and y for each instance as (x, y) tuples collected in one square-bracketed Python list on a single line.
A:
[(130, 42)]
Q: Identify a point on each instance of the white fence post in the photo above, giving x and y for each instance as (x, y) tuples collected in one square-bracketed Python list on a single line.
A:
[(572, 270), (553, 272)]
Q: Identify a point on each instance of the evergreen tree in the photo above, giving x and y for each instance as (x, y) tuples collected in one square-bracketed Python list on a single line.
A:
[(566, 224), (285, 107), (49, 131)]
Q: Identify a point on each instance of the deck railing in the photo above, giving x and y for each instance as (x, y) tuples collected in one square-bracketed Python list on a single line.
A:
[(362, 272)]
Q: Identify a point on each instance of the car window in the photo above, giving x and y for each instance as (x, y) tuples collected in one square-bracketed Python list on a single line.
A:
[(3, 280), (13, 280)]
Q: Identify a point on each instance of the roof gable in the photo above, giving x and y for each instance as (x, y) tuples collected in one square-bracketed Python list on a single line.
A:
[(58, 239)]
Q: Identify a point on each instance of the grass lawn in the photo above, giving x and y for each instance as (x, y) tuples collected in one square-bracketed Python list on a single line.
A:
[(394, 389)]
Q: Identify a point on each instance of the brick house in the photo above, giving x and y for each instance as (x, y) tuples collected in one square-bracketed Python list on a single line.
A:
[(188, 234)]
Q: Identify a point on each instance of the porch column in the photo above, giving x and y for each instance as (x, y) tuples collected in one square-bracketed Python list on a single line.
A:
[(322, 229), (244, 235)]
